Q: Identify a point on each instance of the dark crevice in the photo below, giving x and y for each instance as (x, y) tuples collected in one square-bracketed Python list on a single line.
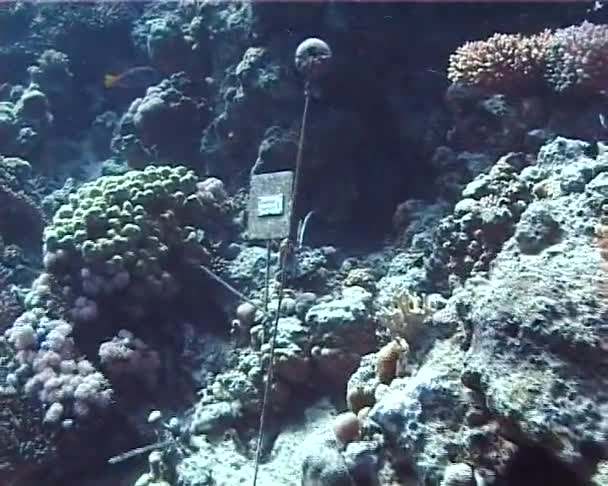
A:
[(533, 465)]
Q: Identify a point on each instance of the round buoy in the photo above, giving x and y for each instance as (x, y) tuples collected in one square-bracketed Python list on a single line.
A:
[(313, 57)]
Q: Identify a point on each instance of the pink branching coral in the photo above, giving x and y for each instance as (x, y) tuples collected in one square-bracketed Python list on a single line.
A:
[(577, 60), (67, 384), (504, 63), (570, 60), (128, 357)]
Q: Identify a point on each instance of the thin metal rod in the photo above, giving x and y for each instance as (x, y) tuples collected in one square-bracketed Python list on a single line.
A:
[(228, 287), (138, 451), (267, 276), (269, 372), (296, 178), (283, 269)]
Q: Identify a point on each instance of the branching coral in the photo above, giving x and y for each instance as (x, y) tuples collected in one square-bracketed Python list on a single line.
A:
[(577, 60), (24, 441), (504, 63), (50, 368), (570, 60), (126, 358)]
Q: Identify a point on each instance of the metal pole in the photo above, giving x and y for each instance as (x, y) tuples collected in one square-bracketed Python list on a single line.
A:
[(287, 247), (267, 276), (312, 58), (269, 373), (296, 178)]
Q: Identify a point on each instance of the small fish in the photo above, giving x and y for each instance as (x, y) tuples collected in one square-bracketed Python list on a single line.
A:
[(603, 121), (435, 71), (136, 77)]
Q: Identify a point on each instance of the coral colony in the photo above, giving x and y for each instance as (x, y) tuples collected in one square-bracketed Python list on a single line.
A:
[(277, 244)]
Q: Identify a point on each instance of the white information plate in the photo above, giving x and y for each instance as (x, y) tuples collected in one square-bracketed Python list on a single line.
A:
[(271, 205)]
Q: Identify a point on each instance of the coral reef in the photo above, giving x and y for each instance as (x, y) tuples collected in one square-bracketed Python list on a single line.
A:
[(442, 320), (517, 357)]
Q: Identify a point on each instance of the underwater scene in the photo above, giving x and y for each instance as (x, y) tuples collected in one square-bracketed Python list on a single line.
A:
[(317, 243)]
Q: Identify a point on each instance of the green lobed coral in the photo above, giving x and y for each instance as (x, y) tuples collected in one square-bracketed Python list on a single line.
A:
[(141, 222)]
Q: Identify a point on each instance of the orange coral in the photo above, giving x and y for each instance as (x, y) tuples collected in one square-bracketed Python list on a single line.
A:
[(360, 397), (347, 427), (387, 358)]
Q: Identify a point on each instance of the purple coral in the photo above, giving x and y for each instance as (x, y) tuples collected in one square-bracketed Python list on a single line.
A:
[(126, 356), (578, 59), (68, 385)]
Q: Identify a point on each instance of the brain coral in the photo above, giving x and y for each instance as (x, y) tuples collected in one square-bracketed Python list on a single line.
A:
[(503, 63), (127, 234), (577, 59)]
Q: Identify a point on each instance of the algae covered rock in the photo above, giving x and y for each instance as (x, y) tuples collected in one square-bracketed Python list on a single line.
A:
[(342, 332)]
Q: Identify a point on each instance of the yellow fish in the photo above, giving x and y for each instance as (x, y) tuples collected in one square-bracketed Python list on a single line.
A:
[(136, 77)]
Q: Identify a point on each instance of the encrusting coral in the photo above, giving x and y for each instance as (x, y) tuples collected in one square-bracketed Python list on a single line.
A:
[(21, 218)]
